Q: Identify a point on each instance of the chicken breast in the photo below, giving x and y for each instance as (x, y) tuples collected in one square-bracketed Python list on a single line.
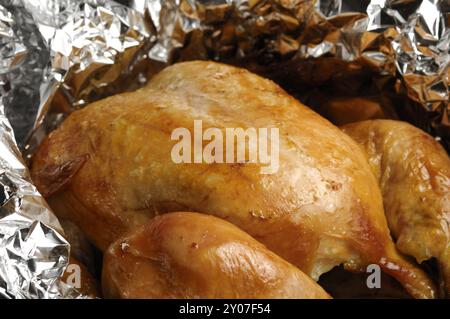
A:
[(109, 167), (413, 170), (191, 255)]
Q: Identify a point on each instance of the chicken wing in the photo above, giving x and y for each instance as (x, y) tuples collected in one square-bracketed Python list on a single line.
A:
[(108, 168), (206, 257), (413, 170), (344, 110)]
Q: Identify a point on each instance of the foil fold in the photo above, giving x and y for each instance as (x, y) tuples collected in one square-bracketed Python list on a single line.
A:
[(33, 254)]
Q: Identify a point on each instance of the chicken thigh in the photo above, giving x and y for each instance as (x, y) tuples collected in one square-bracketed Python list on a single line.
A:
[(206, 257), (109, 168), (413, 170)]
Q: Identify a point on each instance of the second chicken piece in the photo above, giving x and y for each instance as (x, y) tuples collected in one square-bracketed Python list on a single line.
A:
[(191, 255)]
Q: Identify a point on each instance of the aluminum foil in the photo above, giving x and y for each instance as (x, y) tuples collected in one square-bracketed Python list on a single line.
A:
[(33, 255), (397, 50), (97, 48), (22, 102)]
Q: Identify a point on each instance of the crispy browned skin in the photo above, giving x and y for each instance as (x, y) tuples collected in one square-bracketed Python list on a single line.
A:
[(414, 174), (108, 167), (191, 255), (87, 284)]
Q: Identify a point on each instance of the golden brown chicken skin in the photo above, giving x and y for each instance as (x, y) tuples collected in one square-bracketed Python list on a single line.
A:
[(345, 110), (413, 170), (108, 168), (191, 255)]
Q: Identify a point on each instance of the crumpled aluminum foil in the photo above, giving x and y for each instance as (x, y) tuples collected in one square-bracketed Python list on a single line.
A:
[(97, 48), (397, 50), (22, 101), (33, 255)]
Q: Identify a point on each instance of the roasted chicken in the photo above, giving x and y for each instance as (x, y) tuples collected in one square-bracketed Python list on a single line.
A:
[(109, 168), (413, 170), (191, 255)]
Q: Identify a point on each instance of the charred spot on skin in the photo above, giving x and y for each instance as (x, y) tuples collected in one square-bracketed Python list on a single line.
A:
[(55, 178), (194, 245)]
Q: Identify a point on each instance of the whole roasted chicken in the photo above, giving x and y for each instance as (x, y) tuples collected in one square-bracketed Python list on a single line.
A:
[(206, 257), (413, 170), (110, 167)]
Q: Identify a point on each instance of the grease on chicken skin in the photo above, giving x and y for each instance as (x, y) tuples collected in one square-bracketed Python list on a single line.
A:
[(413, 170), (191, 255), (108, 168)]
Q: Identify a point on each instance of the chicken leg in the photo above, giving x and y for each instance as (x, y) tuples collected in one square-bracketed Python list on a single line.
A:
[(206, 257), (414, 175)]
